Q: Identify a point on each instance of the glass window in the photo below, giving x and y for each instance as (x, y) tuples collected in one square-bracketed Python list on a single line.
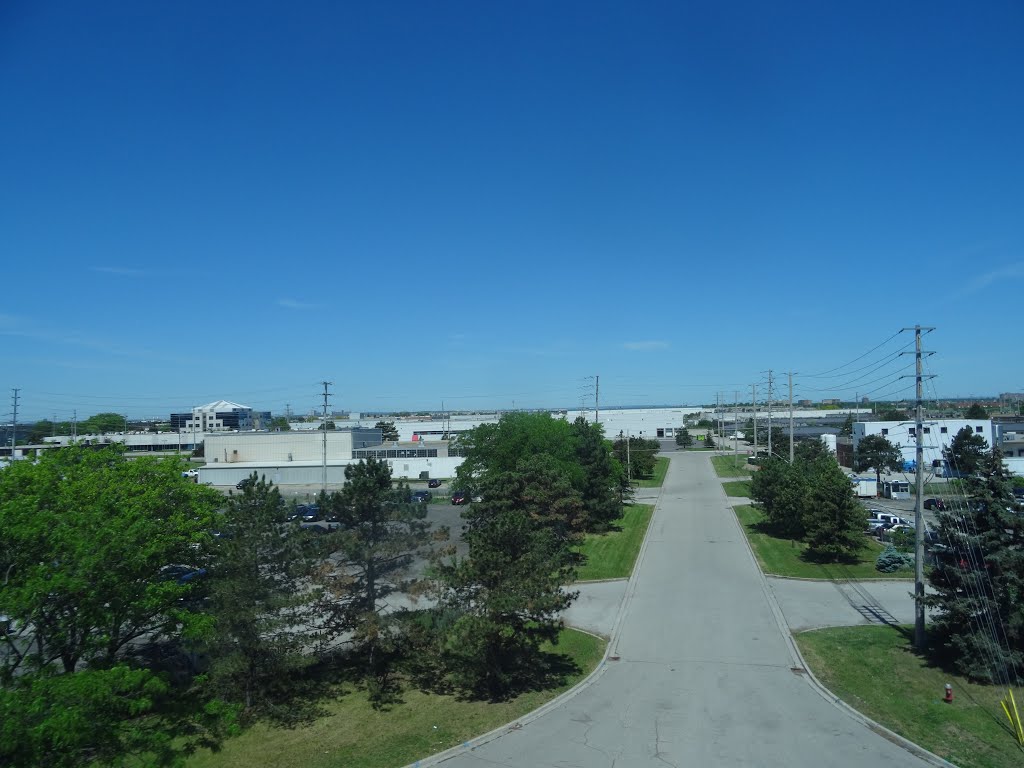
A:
[(943, 430), (885, 431)]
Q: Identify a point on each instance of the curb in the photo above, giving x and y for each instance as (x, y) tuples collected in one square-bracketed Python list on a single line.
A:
[(582, 685), (816, 685)]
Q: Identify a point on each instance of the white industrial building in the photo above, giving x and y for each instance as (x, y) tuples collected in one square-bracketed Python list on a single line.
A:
[(298, 458), (937, 434)]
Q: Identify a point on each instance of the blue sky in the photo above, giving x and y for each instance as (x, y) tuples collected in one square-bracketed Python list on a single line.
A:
[(485, 203)]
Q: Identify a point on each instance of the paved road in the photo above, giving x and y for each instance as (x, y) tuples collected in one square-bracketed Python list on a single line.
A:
[(704, 676)]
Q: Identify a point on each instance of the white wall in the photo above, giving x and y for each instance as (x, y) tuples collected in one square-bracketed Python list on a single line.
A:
[(311, 473), (938, 434)]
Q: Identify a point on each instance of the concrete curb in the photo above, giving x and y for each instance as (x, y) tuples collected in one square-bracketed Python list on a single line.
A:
[(582, 685), (816, 684)]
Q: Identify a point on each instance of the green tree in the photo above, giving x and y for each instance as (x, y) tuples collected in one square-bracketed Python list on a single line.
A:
[(258, 651), (810, 450), (965, 451), (86, 534), (602, 472), (683, 438), (491, 449), (978, 624), (102, 423), (388, 431), (847, 429), (577, 451), (876, 452), (891, 413), (709, 439), (41, 429), (834, 520), (504, 600), (280, 424), (782, 490), (381, 535), (639, 456), (89, 718), (976, 411)]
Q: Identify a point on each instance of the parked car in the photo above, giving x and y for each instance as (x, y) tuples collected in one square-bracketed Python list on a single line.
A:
[(460, 497), (433, 483), (293, 515), (938, 504), (422, 497), (310, 513), (243, 484), (181, 574)]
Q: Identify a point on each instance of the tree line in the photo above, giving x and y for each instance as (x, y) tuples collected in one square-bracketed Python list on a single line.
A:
[(149, 616)]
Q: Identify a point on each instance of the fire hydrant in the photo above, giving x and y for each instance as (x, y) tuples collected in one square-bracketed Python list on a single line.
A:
[(949, 694)]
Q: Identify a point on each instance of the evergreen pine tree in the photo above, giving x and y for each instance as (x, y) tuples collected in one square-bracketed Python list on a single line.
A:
[(979, 579)]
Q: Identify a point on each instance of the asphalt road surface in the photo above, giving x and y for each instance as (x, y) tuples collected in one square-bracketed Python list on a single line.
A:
[(705, 672)]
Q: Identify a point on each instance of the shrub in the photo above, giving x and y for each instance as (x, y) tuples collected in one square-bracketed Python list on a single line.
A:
[(892, 560)]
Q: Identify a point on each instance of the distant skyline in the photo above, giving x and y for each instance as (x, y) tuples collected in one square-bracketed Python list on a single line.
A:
[(482, 205)]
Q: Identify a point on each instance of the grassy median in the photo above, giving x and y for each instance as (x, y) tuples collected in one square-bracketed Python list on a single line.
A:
[(612, 555), (876, 671), (785, 557), (657, 478), (737, 488), (731, 465), (354, 735)]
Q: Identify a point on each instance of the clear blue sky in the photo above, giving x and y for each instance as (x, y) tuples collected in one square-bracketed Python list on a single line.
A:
[(484, 203)]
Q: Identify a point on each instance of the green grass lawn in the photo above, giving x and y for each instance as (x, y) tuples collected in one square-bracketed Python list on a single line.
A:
[(611, 555), (782, 557), (874, 670), (354, 735), (737, 488), (731, 465), (657, 476)]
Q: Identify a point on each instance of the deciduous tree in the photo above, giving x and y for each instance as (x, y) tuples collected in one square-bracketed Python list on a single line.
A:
[(86, 534)]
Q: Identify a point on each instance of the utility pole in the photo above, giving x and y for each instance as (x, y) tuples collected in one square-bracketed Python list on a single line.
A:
[(597, 399), (753, 400), (769, 413), (14, 432), (790, 417), (74, 425), (735, 426), (629, 470), (718, 414), (324, 427), (919, 630)]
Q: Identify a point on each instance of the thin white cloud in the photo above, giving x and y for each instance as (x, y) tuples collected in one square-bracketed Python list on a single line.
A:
[(293, 304), (123, 271), (987, 278), (640, 346)]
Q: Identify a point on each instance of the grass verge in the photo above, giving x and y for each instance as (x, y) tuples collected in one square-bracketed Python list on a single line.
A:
[(657, 476), (737, 488), (875, 670), (785, 557), (612, 555), (731, 465), (355, 735)]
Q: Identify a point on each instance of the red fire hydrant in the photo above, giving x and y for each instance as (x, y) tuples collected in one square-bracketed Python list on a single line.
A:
[(949, 694)]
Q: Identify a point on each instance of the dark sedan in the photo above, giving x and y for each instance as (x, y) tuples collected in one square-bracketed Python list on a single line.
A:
[(460, 497), (422, 497)]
